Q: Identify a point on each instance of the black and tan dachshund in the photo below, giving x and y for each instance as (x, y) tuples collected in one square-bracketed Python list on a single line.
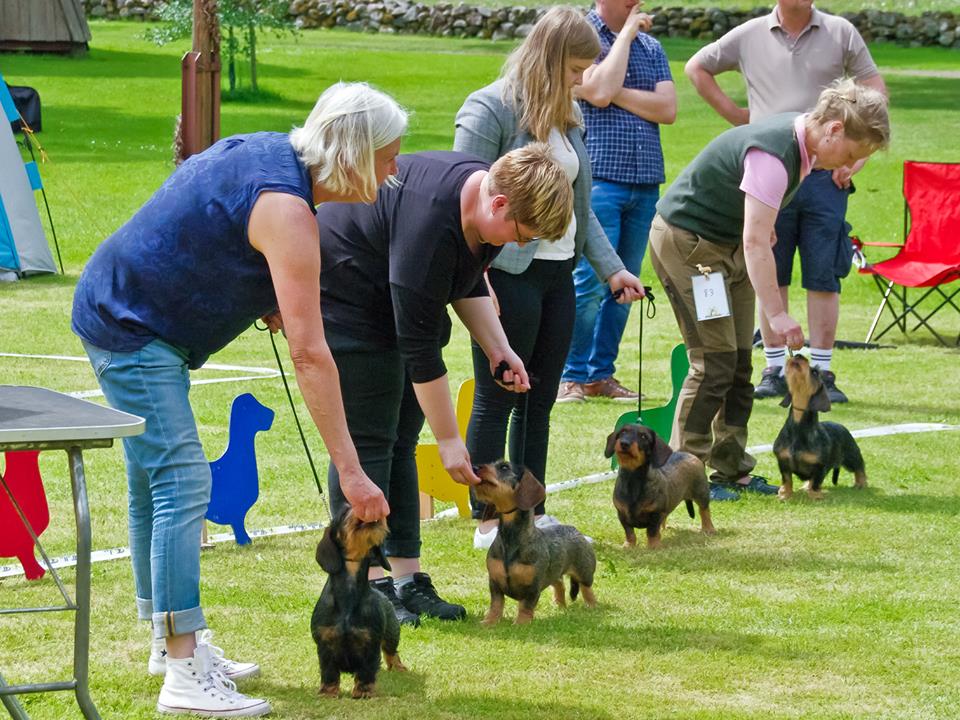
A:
[(651, 482), (351, 622), (807, 447), (525, 559)]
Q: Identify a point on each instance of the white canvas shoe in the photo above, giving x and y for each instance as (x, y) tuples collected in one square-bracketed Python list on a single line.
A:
[(233, 670), (483, 540), (193, 686)]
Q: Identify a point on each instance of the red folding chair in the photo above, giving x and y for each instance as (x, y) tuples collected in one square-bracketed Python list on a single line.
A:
[(929, 258)]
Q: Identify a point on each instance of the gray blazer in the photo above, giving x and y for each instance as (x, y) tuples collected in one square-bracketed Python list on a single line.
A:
[(487, 127)]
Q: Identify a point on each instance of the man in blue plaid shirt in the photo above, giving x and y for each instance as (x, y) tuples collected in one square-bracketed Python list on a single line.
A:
[(625, 97)]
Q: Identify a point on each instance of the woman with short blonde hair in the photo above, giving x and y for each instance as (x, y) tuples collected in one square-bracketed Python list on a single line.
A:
[(230, 237), (533, 102)]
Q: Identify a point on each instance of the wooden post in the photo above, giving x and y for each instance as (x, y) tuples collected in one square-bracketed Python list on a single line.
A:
[(200, 72)]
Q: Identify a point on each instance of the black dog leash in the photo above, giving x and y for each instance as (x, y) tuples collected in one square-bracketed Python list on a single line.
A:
[(296, 417), (498, 376), (651, 313)]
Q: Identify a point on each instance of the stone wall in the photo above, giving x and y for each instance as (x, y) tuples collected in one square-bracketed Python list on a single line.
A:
[(461, 20)]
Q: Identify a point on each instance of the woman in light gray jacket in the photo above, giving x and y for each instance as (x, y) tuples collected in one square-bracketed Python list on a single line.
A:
[(532, 282)]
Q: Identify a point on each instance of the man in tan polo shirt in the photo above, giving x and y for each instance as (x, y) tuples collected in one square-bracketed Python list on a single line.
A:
[(786, 59)]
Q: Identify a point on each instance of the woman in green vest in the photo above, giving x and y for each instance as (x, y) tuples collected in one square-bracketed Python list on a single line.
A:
[(710, 245)]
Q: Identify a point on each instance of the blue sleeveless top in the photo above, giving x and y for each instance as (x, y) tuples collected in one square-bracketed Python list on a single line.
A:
[(182, 268)]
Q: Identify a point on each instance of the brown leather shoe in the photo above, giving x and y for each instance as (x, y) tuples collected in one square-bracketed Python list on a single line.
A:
[(570, 392), (610, 388)]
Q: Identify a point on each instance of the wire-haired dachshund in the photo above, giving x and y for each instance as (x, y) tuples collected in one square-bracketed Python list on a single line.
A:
[(525, 559), (651, 482), (807, 447), (351, 622)]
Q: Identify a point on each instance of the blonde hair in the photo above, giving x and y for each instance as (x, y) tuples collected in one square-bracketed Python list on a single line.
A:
[(540, 194), (535, 73), (349, 122), (862, 110)]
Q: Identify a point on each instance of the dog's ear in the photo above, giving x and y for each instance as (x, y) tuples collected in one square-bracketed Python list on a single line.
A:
[(328, 554), (611, 443), (787, 400), (380, 557), (820, 401), (529, 492), (661, 451)]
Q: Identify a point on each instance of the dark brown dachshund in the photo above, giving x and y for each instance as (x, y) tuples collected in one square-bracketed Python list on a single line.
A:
[(525, 559), (351, 622), (807, 447), (652, 481)]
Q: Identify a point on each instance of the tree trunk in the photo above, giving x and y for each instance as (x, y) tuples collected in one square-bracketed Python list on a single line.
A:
[(200, 93), (253, 56)]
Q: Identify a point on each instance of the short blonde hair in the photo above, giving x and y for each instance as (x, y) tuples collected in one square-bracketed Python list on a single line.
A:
[(540, 194), (862, 110), (535, 73), (349, 122)]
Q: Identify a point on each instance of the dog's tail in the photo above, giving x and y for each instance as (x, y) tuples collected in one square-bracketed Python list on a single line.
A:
[(690, 508), (574, 589)]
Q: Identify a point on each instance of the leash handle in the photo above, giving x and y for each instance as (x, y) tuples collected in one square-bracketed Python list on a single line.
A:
[(296, 417)]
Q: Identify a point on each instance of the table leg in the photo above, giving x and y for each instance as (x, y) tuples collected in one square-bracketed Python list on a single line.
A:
[(13, 705), (81, 632)]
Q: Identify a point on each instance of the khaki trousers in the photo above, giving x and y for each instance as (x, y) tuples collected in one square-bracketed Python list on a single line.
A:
[(717, 396)]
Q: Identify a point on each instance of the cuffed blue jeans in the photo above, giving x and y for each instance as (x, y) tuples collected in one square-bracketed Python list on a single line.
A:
[(625, 211), (168, 479)]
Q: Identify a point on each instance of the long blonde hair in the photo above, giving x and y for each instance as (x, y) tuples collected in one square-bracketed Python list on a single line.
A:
[(534, 74), (862, 110)]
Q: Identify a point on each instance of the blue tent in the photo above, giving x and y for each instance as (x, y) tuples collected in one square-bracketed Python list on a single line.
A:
[(23, 243)]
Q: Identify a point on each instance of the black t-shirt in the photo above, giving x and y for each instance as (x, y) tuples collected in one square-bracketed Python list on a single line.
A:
[(389, 269)]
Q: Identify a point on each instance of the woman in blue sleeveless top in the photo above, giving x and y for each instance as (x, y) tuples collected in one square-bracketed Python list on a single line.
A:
[(229, 238)]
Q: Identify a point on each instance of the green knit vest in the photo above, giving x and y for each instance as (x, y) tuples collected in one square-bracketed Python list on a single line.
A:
[(706, 198)]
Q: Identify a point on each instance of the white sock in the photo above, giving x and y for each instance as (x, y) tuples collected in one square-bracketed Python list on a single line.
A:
[(399, 582), (820, 357), (776, 357)]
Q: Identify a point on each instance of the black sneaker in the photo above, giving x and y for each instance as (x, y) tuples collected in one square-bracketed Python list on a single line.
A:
[(772, 384), (385, 587), (419, 596), (830, 383)]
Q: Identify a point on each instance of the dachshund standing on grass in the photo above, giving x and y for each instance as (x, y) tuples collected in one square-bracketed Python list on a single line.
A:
[(651, 482), (807, 447), (351, 622), (525, 559)]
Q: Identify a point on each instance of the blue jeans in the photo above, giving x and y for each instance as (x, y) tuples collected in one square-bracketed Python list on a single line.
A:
[(168, 478), (625, 212)]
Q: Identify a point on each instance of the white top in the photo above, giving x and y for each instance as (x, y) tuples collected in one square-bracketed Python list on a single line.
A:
[(562, 248)]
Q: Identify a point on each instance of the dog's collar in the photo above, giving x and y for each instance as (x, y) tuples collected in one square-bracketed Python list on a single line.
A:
[(507, 512), (797, 407)]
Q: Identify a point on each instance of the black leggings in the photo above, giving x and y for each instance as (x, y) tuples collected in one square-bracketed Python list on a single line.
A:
[(384, 419), (537, 309)]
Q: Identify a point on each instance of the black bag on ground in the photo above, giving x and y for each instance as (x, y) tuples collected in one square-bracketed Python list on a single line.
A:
[(27, 101)]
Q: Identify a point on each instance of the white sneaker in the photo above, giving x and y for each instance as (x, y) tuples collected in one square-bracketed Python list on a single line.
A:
[(157, 665), (483, 540), (194, 686)]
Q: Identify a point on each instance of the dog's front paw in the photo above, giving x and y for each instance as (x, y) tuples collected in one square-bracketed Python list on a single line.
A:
[(330, 690), (362, 691), (393, 662), (815, 494), (785, 493)]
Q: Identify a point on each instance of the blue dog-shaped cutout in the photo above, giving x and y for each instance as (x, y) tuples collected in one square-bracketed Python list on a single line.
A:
[(236, 483)]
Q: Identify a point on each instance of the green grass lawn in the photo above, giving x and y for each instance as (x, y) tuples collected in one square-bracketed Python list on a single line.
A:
[(908, 7), (844, 609)]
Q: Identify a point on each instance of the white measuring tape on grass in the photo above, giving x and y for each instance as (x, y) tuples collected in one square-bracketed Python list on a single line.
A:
[(122, 552)]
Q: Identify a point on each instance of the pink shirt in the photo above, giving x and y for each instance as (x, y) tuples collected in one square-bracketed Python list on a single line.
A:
[(765, 176)]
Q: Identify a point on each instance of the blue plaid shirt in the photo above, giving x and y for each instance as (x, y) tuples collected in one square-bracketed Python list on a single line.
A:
[(623, 147)]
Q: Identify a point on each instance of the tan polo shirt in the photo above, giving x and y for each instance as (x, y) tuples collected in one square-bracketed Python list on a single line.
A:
[(784, 73)]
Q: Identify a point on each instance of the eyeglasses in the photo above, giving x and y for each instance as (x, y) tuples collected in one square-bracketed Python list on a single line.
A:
[(521, 240)]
